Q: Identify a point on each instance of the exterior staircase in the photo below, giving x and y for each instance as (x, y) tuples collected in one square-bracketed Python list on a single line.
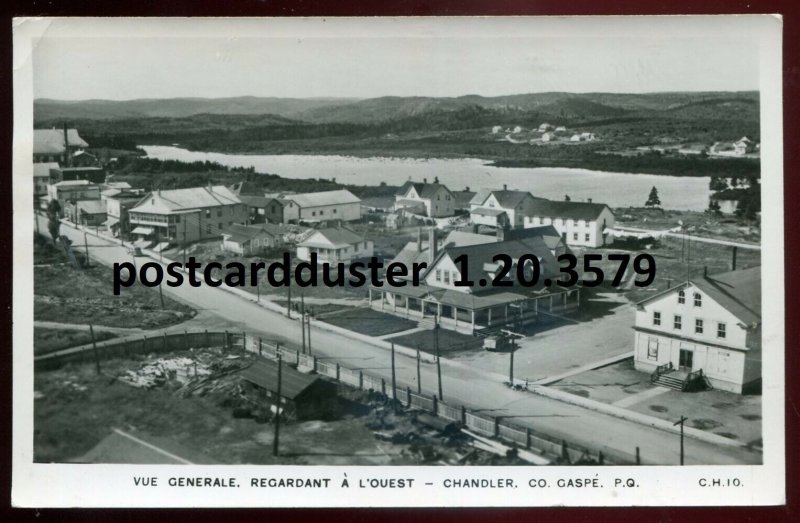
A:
[(666, 376)]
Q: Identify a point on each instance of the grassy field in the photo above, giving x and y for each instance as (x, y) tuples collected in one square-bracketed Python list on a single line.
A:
[(65, 294), (370, 322), (51, 340), (696, 223)]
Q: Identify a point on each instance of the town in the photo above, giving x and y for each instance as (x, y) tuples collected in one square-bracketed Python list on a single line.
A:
[(428, 372)]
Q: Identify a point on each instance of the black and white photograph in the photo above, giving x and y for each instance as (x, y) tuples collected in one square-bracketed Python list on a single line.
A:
[(377, 262)]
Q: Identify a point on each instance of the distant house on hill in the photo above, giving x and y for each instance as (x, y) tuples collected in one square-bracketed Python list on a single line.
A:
[(579, 223), (545, 127), (429, 199)]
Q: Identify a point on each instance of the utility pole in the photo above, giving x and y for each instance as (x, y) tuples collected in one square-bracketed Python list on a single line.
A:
[(289, 301), (184, 239), (161, 295), (94, 350), (394, 383), (680, 422), (419, 376), (303, 319), (511, 363), (436, 350), (277, 410), (86, 246), (308, 321)]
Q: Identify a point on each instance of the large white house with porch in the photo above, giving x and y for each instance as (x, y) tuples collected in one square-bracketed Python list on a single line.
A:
[(471, 309), (707, 327), (580, 223)]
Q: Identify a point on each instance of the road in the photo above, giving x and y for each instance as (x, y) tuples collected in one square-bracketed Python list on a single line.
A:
[(473, 388), (682, 236)]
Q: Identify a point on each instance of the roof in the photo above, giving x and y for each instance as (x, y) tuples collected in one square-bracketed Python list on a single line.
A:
[(173, 200), (92, 206), (463, 198), (264, 373), (134, 447), (463, 239), (485, 211), (43, 169), (507, 199), (739, 292), (68, 183), (242, 233), (253, 200), (336, 236), (51, 141), (319, 199), (572, 210), (246, 188), (424, 190)]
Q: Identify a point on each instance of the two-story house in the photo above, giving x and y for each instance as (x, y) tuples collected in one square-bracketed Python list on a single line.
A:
[(579, 223), (56, 145), (429, 199), (502, 209), (481, 306), (710, 324), (186, 215)]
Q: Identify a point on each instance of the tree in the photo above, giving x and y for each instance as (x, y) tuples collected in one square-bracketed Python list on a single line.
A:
[(718, 183), (653, 200), (567, 198), (53, 221), (713, 207)]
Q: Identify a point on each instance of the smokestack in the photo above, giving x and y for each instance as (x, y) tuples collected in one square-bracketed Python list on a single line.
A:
[(66, 146), (432, 243)]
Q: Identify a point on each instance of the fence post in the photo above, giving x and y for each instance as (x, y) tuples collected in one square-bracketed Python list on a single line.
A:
[(164, 342), (463, 415), (408, 396), (564, 452), (225, 341), (314, 363), (144, 344), (297, 357), (185, 340), (361, 379), (244, 342), (638, 459), (527, 438), (208, 342), (435, 405), (259, 346), (600, 458), (337, 370), (383, 386), (497, 426)]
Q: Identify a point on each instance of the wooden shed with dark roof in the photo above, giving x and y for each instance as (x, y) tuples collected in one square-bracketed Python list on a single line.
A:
[(302, 396)]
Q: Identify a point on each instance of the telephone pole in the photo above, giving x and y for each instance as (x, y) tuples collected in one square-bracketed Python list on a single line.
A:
[(419, 376), (436, 350), (289, 301), (308, 322), (303, 319), (394, 383), (277, 410), (680, 422), (86, 246)]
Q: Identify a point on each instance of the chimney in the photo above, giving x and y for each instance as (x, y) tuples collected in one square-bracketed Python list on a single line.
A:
[(424, 180), (466, 189), (66, 146), (432, 243), (419, 239), (589, 200), (505, 187)]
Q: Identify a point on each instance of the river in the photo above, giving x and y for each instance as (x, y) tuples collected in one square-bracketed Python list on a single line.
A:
[(615, 189)]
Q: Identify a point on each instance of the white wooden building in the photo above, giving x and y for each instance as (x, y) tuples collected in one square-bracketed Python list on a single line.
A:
[(335, 245), (579, 223)]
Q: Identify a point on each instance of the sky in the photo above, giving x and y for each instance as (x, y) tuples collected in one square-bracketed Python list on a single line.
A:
[(340, 62)]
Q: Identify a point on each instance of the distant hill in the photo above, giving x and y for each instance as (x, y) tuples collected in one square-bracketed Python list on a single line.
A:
[(554, 105)]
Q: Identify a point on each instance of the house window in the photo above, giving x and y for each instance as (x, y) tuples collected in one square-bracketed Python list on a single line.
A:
[(698, 299), (681, 297), (438, 275), (575, 236), (219, 211), (313, 213), (676, 323), (208, 213), (698, 326), (652, 349), (447, 277), (656, 318), (178, 219), (334, 211), (232, 207), (219, 226), (721, 330), (321, 213), (438, 198), (587, 237)]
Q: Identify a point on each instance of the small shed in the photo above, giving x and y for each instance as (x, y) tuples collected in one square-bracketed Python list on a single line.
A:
[(302, 396)]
